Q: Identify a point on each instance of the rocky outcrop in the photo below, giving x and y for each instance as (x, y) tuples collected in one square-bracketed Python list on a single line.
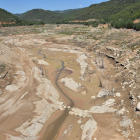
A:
[(103, 93), (88, 129), (127, 124), (71, 84), (82, 61)]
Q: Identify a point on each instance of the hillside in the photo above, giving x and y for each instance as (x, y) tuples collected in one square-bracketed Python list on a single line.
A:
[(7, 16), (131, 12), (40, 14), (9, 19), (18, 15), (100, 11), (110, 10), (68, 10)]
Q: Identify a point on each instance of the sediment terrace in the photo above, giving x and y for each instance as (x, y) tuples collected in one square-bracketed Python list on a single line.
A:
[(82, 86)]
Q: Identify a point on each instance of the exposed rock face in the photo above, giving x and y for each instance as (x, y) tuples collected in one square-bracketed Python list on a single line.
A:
[(99, 62), (67, 130), (121, 112), (21, 80), (71, 84), (79, 112), (106, 107), (12, 88), (42, 62), (118, 94), (126, 123), (103, 93), (93, 97), (109, 102), (82, 61), (138, 106), (89, 128), (43, 108), (102, 109)]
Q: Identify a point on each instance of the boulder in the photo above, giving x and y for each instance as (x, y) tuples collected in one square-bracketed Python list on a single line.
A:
[(121, 112), (138, 106), (93, 97), (103, 93), (118, 94)]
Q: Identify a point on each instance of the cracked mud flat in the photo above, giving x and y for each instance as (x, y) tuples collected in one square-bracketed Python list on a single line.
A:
[(57, 89)]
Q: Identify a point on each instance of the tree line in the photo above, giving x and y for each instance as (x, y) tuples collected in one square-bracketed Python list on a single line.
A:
[(20, 22)]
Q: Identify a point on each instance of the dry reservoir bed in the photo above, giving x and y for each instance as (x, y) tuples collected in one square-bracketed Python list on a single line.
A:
[(54, 89)]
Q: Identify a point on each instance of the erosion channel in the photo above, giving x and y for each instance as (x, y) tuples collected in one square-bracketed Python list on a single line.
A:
[(52, 129), (69, 82)]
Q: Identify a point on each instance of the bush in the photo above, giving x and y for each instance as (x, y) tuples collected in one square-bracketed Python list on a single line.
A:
[(95, 24), (137, 26), (102, 21), (123, 24)]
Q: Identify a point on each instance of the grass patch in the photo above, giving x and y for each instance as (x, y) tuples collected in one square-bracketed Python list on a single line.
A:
[(131, 59), (2, 68), (101, 42), (65, 33)]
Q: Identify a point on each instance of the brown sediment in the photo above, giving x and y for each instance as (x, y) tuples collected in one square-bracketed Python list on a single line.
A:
[(107, 123)]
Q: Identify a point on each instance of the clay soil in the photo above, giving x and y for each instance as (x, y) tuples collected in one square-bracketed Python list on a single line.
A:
[(23, 97)]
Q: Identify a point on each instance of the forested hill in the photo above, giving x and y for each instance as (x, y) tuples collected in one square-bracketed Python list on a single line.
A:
[(6, 16), (130, 12), (110, 10), (103, 10), (40, 14), (8, 19)]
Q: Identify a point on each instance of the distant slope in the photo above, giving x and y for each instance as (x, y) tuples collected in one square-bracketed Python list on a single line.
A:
[(68, 10), (7, 16), (131, 12), (100, 11), (110, 10), (40, 14), (18, 15)]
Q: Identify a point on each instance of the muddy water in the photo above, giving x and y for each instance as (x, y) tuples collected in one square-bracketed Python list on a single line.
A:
[(53, 129)]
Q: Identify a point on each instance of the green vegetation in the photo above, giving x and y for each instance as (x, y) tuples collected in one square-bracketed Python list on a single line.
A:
[(103, 12), (120, 13), (41, 15), (6, 16), (2, 68), (126, 24), (8, 19)]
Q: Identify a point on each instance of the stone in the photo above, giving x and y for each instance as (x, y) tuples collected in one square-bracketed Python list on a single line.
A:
[(42, 62), (82, 61), (88, 129), (71, 84), (121, 112), (118, 94), (138, 97), (79, 121), (126, 123), (84, 92), (93, 97), (138, 106), (109, 102), (103, 93), (12, 88)]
